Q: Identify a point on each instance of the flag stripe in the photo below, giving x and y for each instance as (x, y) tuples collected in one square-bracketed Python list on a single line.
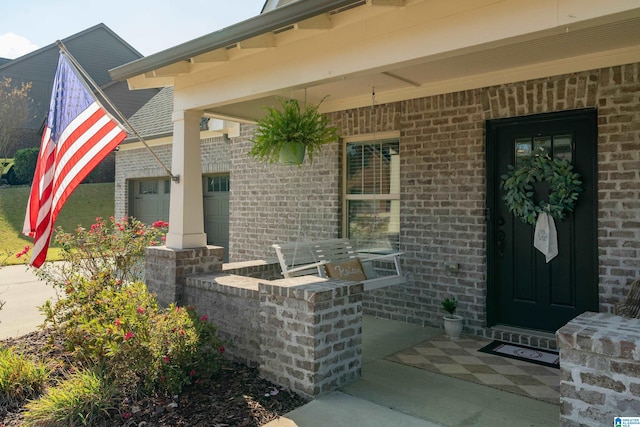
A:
[(32, 214), (77, 158), (73, 151), (78, 136), (46, 183), (83, 166), (78, 133)]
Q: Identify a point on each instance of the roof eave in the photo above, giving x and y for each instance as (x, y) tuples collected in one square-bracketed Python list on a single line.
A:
[(252, 27), (132, 138)]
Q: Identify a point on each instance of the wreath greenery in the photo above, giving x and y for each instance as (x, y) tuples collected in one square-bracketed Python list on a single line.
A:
[(565, 186)]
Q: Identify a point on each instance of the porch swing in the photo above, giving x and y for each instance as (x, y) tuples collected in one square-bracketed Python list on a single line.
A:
[(337, 258)]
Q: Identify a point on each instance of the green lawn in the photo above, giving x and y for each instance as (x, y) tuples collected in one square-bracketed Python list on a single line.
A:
[(86, 203)]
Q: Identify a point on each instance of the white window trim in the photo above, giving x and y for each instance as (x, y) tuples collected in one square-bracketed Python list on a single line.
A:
[(369, 137)]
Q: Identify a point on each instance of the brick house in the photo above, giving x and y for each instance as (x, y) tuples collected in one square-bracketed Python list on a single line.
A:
[(453, 92)]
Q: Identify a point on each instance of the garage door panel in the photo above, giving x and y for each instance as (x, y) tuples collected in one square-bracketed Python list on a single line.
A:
[(151, 201), (216, 211)]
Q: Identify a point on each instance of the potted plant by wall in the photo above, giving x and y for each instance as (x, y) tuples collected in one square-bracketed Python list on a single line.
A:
[(286, 132), (452, 322)]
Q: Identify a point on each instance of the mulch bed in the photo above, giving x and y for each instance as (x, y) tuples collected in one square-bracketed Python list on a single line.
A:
[(238, 397)]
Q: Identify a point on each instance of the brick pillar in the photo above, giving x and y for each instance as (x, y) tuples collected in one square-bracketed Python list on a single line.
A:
[(311, 338), (600, 369), (166, 269)]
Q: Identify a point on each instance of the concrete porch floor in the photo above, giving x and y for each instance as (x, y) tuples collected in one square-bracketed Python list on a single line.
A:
[(391, 394)]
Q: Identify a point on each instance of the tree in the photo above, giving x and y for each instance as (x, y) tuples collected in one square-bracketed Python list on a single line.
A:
[(25, 165), (15, 110)]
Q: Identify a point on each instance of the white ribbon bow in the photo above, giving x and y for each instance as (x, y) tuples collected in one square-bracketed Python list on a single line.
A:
[(545, 236)]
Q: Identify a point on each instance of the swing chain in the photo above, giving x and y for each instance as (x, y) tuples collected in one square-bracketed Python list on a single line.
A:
[(372, 237)]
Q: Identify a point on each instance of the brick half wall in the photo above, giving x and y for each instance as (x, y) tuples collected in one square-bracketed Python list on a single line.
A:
[(303, 333), (600, 369)]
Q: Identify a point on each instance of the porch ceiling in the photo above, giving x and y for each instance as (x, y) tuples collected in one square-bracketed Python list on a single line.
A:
[(376, 36)]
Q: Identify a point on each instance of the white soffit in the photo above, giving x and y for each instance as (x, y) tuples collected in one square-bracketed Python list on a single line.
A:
[(563, 43)]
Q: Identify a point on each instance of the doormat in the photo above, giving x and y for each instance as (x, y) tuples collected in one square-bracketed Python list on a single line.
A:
[(461, 359), (528, 354)]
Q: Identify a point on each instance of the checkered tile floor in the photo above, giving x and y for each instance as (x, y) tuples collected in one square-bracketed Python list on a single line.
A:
[(461, 359)]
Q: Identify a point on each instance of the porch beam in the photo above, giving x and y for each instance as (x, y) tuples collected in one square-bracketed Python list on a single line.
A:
[(281, 17), (325, 57), (400, 78), (171, 70)]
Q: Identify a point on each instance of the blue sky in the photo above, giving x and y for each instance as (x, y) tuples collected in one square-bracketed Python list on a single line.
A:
[(148, 26)]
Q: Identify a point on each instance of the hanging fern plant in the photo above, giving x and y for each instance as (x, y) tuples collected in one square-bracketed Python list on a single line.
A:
[(293, 127)]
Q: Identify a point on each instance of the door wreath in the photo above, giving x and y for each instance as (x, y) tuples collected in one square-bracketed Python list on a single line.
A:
[(565, 186)]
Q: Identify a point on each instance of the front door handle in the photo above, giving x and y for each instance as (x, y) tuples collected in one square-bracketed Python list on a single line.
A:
[(500, 242)]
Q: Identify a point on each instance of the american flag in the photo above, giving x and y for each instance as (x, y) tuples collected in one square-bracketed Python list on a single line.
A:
[(78, 136)]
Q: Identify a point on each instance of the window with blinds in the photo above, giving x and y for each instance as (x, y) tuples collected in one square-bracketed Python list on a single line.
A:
[(372, 194)]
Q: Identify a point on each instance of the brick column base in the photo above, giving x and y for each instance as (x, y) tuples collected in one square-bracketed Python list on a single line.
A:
[(311, 340), (166, 269)]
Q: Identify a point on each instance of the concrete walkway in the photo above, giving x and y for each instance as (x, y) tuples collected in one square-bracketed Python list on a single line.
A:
[(23, 293), (391, 394)]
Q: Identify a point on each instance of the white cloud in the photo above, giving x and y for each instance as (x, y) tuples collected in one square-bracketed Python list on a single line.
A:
[(13, 46)]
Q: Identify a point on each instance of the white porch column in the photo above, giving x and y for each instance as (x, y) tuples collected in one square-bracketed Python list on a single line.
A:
[(186, 218)]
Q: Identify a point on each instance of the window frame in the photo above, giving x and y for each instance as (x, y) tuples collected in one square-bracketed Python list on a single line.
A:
[(346, 198)]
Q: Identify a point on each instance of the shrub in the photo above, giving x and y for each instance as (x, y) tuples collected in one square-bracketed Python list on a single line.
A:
[(83, 398), (121, 329), (111, 324), (108, 250), (186, 349), (25, 165), (21, 377)]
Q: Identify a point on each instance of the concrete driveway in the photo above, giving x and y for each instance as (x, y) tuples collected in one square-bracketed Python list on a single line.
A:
[(22, 293)]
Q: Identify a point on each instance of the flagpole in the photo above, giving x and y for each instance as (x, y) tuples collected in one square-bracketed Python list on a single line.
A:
[(63, 48)]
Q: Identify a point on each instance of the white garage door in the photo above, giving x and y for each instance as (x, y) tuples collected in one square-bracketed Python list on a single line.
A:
[(150, 200), (151, 203), (216, 211)]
